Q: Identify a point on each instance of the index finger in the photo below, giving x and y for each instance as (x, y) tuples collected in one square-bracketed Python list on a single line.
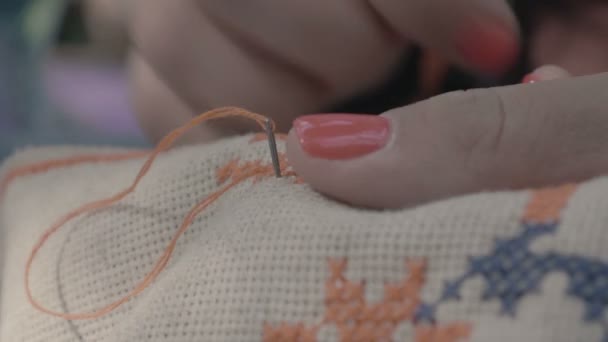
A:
[(481, 35)]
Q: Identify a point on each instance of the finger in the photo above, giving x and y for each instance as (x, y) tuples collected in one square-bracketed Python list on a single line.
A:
[(342, 43), (490, 139), (480, 34), (197, 61), (546, 73)]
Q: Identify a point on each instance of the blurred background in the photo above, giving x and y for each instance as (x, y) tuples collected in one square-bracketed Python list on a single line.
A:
[(62, 76)]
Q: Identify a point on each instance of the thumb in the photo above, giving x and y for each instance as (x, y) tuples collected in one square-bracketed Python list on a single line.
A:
[(480, 140)]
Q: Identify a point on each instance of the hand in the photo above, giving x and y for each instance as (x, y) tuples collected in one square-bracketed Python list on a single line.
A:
[(531, 135), (286, 58)]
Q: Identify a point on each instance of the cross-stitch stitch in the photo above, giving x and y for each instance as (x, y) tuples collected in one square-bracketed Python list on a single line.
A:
[(512, 271), (357, 320)]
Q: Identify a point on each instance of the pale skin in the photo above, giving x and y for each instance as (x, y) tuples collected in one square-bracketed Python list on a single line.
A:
[(287, 58)]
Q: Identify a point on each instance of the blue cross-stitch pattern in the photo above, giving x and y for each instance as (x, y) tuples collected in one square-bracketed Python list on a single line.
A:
[(512, 271)]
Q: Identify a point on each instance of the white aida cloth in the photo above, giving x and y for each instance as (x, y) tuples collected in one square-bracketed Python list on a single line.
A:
[(275, 258)]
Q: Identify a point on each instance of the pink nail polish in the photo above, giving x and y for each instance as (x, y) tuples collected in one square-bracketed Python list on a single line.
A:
[(490, 47), (530, 78), (546, 73), (341, 136)]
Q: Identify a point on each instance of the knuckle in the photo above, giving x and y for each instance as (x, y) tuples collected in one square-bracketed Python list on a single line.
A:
[(496, 129), (476, 123), (470, 114)]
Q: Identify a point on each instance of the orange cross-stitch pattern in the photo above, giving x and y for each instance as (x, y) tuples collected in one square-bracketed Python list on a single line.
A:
[(357, 320), (547, 204)]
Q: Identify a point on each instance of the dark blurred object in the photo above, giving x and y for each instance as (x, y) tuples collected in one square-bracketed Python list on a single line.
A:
[(96, 28), (73, 29)]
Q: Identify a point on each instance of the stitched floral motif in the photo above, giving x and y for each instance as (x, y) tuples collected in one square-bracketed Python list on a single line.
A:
[(513, 271), (359, 321)]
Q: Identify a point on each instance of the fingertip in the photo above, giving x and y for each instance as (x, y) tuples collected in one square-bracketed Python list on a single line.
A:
[(489, 47), (308, 168), (546, 73), (294, 151), (317, 173)]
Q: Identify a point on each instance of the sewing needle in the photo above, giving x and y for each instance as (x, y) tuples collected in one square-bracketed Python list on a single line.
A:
[(272, 143)]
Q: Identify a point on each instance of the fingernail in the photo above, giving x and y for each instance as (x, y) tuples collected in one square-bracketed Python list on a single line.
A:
[(490, 47), (546, 73), (341, 136), (530, 78)]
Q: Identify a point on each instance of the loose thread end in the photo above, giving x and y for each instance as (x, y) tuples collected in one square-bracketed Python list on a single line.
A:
[(266, 123)]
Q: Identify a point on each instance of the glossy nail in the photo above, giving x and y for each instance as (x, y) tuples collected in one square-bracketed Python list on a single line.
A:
[(341, 136), (530, 78), (546, 73), (489, 47)]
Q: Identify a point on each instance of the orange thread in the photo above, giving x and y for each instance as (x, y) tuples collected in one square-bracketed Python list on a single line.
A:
[(47, 165), (237, 174), (547, 204)]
